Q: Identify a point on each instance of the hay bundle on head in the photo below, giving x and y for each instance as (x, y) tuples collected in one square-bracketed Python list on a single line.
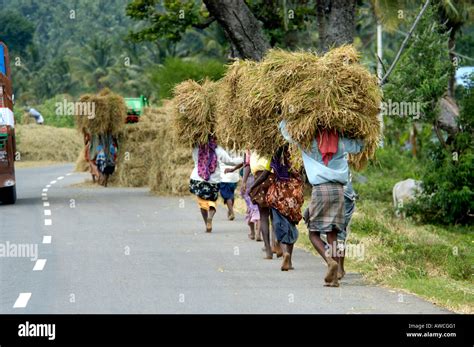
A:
[(282, 70), (247, 109), (110, 114), (194, 111), (230, 112), (339, 94)]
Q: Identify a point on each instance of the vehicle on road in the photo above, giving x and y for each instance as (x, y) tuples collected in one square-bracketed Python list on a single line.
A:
[(135, 107), (7, 131)]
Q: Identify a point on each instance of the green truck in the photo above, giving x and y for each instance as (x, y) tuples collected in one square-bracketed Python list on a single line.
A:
[(135, 107)]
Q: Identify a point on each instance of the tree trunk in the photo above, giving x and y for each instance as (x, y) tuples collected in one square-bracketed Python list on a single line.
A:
[(242, 29), (336, 22), (452, 56)]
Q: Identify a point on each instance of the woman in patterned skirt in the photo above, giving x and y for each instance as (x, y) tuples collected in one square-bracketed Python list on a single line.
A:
[(206, 176)]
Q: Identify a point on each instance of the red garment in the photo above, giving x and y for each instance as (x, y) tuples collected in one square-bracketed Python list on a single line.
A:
[(328, 141)]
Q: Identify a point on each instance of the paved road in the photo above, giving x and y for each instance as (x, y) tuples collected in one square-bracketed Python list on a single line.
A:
[(124, 251)]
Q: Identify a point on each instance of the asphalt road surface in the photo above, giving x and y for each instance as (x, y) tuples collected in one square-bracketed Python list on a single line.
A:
[(111, 250)]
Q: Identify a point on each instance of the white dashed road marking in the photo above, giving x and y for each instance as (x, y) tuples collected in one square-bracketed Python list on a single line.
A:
[(39, 265), (44, 194), (47, 239), (45, 198), (22, 300), (60, 178), (52, 182), (47, 212), (45, 189), (69, 174), (48, 222), (45, 204)]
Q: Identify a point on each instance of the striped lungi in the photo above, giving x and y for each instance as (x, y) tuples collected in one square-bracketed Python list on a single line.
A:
[(326, 209)]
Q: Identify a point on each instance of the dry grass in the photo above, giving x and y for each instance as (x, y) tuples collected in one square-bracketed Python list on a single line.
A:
[(45, 143), (149, 155), (110, 114), (329, 92), (194, 111)]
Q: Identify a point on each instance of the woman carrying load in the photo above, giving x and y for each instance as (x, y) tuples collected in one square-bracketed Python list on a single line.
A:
[(206, 176), (252, 215), (261, 170), (327, 170), (285, 198)]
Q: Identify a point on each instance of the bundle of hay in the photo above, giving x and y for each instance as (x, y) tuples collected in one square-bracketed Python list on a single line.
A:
[(149, 155), (194, 111), (310, 92), (339, 94), (110, 114), (82, 165), (247, 109), (171, 162)]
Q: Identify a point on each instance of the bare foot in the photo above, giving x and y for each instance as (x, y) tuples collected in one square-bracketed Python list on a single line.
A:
[(278, 250), (285, 266), (331, 275), (340, 275), (332, 284), (231, 216), (209, 225)]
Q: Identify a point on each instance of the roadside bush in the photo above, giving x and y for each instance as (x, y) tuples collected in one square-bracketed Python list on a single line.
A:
[(176, 70), (448, 180), (390, 166)]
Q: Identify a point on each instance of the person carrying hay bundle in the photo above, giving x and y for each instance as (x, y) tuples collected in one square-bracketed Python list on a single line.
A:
[(206, 176), (327, 170), (100, 129), (264, 178), (227, 187), (252, 215), (285, 198)]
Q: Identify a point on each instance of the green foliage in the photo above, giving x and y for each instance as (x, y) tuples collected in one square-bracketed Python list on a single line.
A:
[(176, 70), (390, 166), (423, 70), (448, 181), (166, 20), (51, 117), (285, 22), (15, 31)]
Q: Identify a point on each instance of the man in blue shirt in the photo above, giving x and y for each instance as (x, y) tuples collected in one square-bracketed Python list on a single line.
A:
[(36, 115), (327, 170)]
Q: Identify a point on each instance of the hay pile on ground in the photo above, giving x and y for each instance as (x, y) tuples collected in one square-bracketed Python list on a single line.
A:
[(149, 156), (82, 164), (332, 91), (46, 143), (194, 111), (110, 114)]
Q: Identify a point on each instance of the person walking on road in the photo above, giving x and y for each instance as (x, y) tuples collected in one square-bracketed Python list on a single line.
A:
[(252, 215), (328, 171), (261, 170), (206, 176), (227, 188), (349, 209), (286, 199)]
